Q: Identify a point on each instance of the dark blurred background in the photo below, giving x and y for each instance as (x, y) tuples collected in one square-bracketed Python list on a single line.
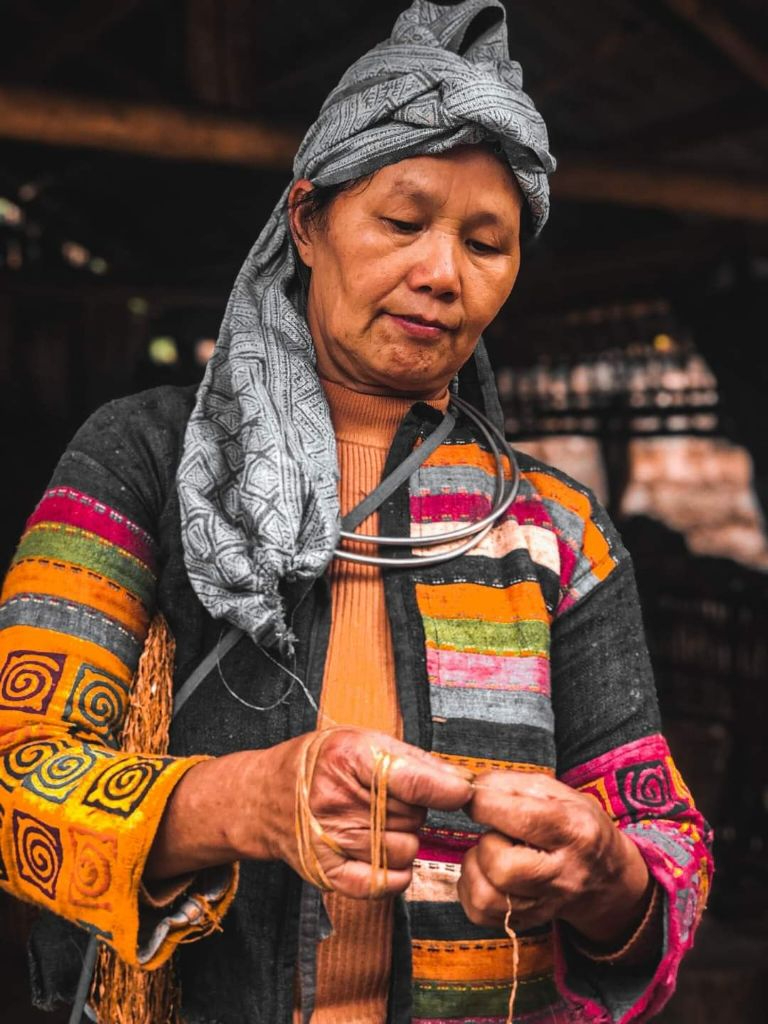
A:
[(144, 142)]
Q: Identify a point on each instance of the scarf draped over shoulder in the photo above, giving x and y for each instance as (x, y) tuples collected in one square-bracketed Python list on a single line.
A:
[(258, 476)]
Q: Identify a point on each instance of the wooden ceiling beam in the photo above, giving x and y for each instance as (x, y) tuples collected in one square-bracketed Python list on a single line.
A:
[(666, 188), (741, 52), (168, 133), (158, 131)]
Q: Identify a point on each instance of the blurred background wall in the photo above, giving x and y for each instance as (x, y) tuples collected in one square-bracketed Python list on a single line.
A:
[(144, 142)]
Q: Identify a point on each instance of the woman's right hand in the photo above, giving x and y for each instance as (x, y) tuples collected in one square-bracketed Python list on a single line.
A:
[(243, 805)]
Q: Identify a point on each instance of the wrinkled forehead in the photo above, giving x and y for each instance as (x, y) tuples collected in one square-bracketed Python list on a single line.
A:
[(470, 178)]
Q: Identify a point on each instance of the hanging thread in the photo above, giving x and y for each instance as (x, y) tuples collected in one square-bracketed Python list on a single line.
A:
[(515, 958)]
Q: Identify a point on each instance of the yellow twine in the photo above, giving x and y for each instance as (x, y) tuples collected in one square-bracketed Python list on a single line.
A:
[(381, 767), (308, 828), (515, 958)]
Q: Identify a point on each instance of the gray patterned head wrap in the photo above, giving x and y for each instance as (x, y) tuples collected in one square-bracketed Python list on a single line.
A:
[(258, 476)]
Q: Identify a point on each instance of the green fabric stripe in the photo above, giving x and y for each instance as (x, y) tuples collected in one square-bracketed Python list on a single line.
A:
[(85, 549), (530, 636), (443, 999)]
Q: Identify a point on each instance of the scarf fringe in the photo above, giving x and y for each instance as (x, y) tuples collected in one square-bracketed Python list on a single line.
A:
[(120, 993)]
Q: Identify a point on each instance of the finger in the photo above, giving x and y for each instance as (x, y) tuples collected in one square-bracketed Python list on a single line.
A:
[(426, 781), (401, 847), (535, 811), (521, 783), (403, 817), (487, 906), (414, 776), (483, 903), (353, 878), (523, 871), (339, 817)]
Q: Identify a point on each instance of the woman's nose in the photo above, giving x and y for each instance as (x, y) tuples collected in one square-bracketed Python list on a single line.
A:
[(436, 268)]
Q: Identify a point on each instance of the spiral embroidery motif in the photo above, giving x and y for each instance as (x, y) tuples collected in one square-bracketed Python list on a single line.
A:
[(28, 680), (16, 765), (55, 778), (39, 853), (98, 701), (647, 787), (123, 786), (92, 869)]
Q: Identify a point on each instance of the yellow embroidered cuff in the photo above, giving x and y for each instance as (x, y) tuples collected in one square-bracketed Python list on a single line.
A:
[(77, 829), (162, 892)]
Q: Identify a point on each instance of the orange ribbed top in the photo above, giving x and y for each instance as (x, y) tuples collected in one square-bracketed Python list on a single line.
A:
[(359, 689)]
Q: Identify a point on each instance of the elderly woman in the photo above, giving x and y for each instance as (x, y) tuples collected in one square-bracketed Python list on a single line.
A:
[(459, 723)]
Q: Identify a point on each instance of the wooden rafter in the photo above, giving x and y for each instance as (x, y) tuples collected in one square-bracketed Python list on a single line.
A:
[(661, 187), (169, 133), (157, 131), (707, 20)]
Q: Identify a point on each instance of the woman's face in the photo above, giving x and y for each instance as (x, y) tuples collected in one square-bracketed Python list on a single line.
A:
[(409, 268)]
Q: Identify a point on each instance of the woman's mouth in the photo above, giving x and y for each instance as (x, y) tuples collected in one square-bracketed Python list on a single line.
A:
[(417, 327)]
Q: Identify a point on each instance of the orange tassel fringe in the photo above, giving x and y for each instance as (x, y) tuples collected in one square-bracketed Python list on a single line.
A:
[(121, 994)]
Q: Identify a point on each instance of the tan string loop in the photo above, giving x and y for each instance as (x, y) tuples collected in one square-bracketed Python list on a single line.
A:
[(381, 767), (309, 830), (306, 824)]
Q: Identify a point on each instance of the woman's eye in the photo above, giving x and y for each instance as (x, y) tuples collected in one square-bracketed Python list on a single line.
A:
[(405, 227), (482, 247)]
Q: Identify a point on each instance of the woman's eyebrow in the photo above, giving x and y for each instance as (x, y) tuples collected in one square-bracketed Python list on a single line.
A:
[(419, 196), (405, 190)]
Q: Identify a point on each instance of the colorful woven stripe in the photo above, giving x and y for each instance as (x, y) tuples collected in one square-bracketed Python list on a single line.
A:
[(487, 671), (77, 814), (487, 632), (72, 508)]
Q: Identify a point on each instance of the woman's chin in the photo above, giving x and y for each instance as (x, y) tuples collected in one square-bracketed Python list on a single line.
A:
[(410, 385), (411, 377)]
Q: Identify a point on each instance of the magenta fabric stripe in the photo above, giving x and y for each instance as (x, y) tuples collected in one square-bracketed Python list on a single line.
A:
[(446, 850), (534, 513), (446, 508), (648, 748), (487, 671), (441, 855), (72, 508)]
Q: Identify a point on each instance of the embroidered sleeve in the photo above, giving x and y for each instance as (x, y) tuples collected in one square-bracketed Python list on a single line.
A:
[(77, 815), (609, 746), (639, 786)]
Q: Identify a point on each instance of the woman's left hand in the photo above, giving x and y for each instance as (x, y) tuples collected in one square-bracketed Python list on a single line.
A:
[(554, 853)]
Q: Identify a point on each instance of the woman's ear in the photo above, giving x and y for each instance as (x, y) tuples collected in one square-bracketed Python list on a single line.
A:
[(299, 222)]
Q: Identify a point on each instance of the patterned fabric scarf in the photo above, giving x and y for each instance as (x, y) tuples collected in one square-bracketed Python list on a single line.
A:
[(257, 480)]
